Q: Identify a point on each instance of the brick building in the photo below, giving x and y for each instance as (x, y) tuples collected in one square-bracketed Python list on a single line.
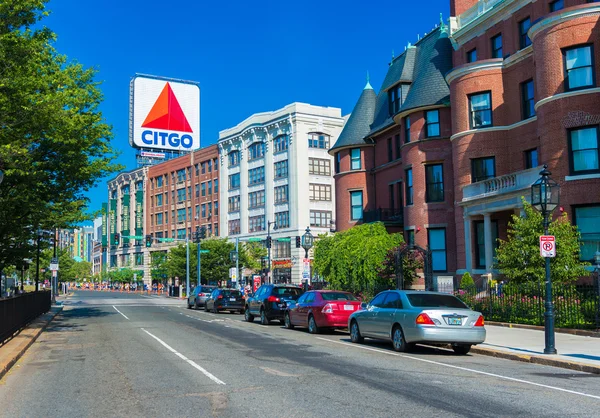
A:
[(182, 194), (521, 81)]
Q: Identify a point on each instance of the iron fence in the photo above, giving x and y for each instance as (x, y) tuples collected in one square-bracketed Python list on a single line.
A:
[(18, 311)]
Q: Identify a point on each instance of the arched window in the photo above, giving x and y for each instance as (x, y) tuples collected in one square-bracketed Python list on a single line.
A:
[(256, 150), (281, 143), (234, 158), (318, 140)]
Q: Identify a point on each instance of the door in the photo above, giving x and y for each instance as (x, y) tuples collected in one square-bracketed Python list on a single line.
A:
[(254, 302), (366, 321), (294, 312), (386, 314), (303, 309)]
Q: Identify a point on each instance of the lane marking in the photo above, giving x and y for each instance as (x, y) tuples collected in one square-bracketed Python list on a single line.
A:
[(120, 312), (463, 368), (184, 358)]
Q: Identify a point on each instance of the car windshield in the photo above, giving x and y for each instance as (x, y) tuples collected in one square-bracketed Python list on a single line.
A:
[(287, 292), (231, 293), (428, 300), (207, 289), (337, 296)]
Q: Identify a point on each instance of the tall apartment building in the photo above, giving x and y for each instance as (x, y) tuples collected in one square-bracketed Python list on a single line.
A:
[(279, 180), (183, 194), (463, 123)]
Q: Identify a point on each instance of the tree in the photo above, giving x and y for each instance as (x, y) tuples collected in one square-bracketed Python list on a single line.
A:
[(518, 258), (54, 142), (158, 266), (356, 260)]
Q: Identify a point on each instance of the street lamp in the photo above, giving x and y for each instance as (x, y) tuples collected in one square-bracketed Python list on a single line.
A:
[(37, 270), (544, 197), (269, 243), (307, 241)]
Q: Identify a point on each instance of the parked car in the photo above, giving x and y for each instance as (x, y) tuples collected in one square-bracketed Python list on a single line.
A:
[(198, 296), (225, 300), (270, 301), (409, 317), (320, 309)]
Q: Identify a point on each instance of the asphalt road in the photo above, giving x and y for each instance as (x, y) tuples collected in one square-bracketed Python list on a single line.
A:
[(110, 354)]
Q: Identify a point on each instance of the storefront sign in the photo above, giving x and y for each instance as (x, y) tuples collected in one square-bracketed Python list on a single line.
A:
[(282, 264)]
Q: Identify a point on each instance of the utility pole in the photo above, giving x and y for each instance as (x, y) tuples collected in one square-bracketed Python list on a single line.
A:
[(187, 266), (237, 259), (54, 284), (198, 267), (37, 269)]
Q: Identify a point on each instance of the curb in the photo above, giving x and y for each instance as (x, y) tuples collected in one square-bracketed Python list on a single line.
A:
[(572, 331), (19, 344), (526, 358)]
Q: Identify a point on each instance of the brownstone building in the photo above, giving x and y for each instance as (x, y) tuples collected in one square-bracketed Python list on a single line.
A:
[(464, 122)]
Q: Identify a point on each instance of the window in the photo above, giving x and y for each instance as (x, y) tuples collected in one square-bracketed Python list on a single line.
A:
[(197, 170), (234, 204), (209, 187), (203, 188), (497, 46), (281, 169), (531, 158), (125, 190), (378, 300), (355, 163), (180, 195), (181, 215), (584, 151), (203, 167), (392, 301), (216, 183), (408, 181), (197, 212), (390, 150), (391, 196), (317, 140), (524, 26), (256, 223), (256, 151), (480, 106), (397, 141), (282, 219), (159, 200), (210, 166), (319, 192), (587, 219), (256, 175), (579, 68), (234, 227), (434, 179), (319, 166), (432, 123), (410, 237), (234, 158), (216, 205), (556, 5), (528, 104), (483, 169), (338, 159), (281, 194), (180, 175), (436, 238), (159, 181), (395, 99), (407, 129), (203, 211), (356, 205), (256, 199), (480, 247), (281, 143), (282, 249), (472, 55), (234, 181), (320, 218), (159, 218), (216, 229)]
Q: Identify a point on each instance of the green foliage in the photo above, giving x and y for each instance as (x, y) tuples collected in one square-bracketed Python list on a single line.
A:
[(355, 260), (158, 266), (467, 282), (54, 141), (124, 275), (519, 258)]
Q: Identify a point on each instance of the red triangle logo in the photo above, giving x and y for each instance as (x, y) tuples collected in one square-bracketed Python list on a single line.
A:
[(167, 114)]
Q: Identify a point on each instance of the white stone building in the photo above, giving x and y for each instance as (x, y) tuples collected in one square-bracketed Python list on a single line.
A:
[(277, 176)]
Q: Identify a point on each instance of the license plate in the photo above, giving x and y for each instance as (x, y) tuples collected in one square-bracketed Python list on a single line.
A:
[(454, 321), (232, 299), (348, 307)]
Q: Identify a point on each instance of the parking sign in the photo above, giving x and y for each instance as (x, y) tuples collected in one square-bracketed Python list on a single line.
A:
[(547, 246)]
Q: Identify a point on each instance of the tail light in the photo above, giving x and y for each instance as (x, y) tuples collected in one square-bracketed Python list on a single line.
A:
[(273, 299), (220, 297), (328, 308), (480, 321), (424, 319)]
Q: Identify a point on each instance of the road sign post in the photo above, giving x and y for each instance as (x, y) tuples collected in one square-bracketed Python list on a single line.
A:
[(547, 246)]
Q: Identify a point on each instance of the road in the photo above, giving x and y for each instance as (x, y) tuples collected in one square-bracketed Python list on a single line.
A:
[(110, 354)]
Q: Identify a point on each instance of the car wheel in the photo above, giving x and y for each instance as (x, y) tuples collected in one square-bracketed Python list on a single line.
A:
[(312, 325), (248, 316), (205, 307), (189, 306), (398, 340), (462, 349), (214, 309), (355, 336), (196, 305), (263, 317), (287, 322)]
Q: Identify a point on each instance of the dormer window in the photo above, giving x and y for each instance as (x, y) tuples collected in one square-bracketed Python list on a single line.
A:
[(396, 96)]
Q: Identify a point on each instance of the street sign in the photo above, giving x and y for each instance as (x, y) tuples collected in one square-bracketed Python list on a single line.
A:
[(284, 239), (547, 246), (233, 273), (54, 264), (204, 251), (138, 237), (254, 239), (166, 239)]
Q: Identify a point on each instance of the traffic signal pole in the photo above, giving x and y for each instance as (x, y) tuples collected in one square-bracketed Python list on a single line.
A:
[(187, 267)]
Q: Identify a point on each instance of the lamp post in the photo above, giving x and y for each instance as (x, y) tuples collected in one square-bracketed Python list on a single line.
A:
[(544, 197), (269, 223), (235, 258), (307, 241), (37, 264)]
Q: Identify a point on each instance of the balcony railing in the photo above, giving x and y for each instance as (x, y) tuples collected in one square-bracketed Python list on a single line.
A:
[(508, 183), (385, 215), (469, 15)]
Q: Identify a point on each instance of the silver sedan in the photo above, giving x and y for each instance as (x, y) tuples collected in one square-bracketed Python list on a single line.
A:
[(407, 317)]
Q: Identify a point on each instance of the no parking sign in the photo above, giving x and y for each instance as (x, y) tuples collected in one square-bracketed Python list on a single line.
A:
[(547, 246)]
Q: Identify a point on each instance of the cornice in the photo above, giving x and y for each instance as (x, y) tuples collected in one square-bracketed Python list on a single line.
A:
[(563, 95), (493, 128), (562, 16), (465, 69)]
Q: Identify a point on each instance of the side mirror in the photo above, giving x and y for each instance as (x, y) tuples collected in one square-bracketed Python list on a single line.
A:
[(363, 305)]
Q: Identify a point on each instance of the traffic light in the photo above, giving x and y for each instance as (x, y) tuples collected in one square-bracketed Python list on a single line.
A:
[(269, 241), (148, 240), (197, 235), (117, 239), (298, 242), (202, 232)]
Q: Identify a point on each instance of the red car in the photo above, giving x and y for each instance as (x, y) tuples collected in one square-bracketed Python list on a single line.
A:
[(320, 309)]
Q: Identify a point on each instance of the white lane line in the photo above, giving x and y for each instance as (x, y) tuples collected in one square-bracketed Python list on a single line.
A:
[(184, 358), (463, 368), (120, 312)]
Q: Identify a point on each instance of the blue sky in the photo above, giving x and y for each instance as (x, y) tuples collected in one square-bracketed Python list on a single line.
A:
[(248, 56)]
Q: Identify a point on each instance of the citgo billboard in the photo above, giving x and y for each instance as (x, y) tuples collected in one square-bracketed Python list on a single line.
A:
[(164, 114)]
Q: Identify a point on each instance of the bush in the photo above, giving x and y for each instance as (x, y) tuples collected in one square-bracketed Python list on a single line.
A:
[(466, 282)]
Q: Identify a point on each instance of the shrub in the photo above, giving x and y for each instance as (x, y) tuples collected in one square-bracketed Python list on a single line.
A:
[(466, 281)]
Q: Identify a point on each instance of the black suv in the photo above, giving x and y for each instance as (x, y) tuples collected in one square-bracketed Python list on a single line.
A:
[(270, 301)]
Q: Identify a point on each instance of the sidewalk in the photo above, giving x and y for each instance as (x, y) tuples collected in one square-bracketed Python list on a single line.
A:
[(575, 352)]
